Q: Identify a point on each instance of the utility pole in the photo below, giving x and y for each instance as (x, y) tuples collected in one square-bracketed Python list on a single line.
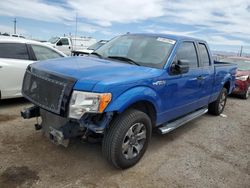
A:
[(241, 49), (75, 32), (15, 26)]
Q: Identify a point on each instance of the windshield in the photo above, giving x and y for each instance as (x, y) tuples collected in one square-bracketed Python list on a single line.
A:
[(95, 46), (241, 63), (53, 40), (142, 50)]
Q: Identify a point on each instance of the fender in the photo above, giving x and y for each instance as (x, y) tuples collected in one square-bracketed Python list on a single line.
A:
[(219, 85), (132, 96), (226, 79)]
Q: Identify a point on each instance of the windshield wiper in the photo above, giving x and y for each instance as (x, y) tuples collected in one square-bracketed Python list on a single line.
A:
[(95, 53), (124, 59)]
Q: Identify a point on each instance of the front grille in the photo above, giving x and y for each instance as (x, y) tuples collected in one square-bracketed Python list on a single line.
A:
[(48, 91)]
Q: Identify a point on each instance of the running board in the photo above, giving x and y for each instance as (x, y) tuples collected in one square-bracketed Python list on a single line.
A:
[(166, 128)]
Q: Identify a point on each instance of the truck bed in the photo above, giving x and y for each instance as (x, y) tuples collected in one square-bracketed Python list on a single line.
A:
[(219, 63), (223, 71)]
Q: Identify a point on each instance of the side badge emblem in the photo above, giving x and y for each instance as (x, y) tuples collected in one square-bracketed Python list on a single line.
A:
[(159, 83)]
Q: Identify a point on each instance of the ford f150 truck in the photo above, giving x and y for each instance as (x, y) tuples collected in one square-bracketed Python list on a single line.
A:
[(132, 84)]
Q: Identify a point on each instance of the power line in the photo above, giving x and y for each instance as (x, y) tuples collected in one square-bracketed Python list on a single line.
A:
[(75, 32)]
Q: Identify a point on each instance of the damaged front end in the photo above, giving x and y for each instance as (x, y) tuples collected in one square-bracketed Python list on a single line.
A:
[(60, 129), (51, 96)]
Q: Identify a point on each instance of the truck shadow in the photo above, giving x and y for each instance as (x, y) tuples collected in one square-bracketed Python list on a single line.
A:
[(10, 108), (13, 102), (158, 140), (84, 159)]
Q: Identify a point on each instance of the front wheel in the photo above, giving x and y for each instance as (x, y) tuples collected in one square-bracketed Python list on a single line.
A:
[(126, 139), (246, 95), (217, 107)]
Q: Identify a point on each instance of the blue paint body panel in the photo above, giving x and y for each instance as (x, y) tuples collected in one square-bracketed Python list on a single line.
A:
[(179, 95)]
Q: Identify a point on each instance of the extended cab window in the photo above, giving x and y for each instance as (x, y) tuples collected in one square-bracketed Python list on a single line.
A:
[(187, 51), (204, 54), (13, 51), (44, 53)]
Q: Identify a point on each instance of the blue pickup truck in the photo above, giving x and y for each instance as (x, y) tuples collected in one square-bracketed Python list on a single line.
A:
[(130, 85)]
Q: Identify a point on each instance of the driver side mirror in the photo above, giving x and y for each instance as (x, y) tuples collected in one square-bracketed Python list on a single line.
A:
[(59, 43), (180, 66)]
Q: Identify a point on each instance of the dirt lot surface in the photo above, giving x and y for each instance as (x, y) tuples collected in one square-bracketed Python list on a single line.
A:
[(207, 152)]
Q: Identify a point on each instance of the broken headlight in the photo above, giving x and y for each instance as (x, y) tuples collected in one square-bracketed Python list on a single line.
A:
[(82, 102), (242, 78)]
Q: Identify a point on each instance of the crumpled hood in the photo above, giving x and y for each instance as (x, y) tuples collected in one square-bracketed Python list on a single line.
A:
[(90, 70)]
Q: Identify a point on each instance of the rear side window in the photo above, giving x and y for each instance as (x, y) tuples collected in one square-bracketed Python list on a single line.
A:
[(44, 53), (204, 55), (187, 51), (13, 51)]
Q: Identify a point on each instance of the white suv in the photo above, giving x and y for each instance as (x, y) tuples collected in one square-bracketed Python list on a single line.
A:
[(15, 55)]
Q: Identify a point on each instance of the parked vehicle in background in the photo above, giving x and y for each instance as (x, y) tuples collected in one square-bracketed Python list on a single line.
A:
[(69, 44), (15, 55), (17, 35), (90, 49), (242, 85), (127, 87)]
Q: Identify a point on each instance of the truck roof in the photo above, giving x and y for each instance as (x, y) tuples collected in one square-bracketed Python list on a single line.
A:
[(170, 36)]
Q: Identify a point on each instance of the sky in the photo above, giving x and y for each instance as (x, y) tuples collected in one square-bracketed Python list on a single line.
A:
[(224, 24)]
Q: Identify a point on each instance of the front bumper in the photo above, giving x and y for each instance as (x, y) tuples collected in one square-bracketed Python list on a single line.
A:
[(30, 112), (241, 87), (60, 129)]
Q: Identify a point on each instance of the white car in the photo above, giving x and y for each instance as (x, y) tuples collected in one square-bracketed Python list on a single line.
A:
[(16, 35), (15, 55)]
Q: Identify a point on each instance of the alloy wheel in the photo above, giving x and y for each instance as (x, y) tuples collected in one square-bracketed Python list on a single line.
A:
[(222, 102), (134, 140)]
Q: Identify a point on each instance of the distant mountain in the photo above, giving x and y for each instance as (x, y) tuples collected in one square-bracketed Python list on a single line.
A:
[(224, 53)]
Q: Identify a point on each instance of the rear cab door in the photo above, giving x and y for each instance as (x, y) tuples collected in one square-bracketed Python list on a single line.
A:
[(207, 77)]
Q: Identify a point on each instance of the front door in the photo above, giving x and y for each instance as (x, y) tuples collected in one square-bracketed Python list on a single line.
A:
[(64, 46), (183, 91)]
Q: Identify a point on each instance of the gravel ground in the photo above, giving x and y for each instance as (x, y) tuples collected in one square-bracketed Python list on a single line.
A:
[(207, 152)]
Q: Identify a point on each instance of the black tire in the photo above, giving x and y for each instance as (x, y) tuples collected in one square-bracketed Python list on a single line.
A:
[(116, 133), (216, 107), (246, 95)]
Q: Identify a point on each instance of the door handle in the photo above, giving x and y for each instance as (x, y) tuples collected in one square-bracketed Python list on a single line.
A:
[(69, 47), (200, 78)]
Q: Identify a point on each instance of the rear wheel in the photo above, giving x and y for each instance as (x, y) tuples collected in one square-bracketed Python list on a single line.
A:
[(127, 138), (217, 107)]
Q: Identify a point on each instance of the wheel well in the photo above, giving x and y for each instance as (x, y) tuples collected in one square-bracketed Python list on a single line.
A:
[(146, 107), (227, 86)]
